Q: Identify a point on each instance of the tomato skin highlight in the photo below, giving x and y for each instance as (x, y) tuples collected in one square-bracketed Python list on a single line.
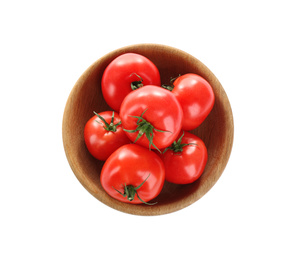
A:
[(131, 164), (188, 165), (100, 142), (162, 110), (121, 72), (196, 97)]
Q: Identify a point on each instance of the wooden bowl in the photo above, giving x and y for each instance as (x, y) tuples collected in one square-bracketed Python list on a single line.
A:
[(216, 131)]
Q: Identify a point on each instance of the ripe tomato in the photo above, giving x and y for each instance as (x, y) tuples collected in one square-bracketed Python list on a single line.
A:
[(127, 71), (185, 159), (133, 174), (151, 116), (196, 97), (103, 134)]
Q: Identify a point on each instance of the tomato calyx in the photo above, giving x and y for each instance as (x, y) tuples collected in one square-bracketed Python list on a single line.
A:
[(136, 84), (170, 86), (130, 191), (177, 146), (145, 127), (108, 127)]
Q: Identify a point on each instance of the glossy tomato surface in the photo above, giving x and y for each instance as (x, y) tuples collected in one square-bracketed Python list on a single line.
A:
[(186, 166), (121, 72), (101, 142), (159, 108), (131, 165), (196, 97)]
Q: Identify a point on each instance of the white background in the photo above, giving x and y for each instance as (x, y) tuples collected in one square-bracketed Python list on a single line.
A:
[(251, 212)]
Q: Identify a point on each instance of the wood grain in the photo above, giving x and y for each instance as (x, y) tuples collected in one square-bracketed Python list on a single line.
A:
[(217, 130)]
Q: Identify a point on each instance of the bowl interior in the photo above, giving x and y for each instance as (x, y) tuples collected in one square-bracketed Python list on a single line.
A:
[(216, 131)]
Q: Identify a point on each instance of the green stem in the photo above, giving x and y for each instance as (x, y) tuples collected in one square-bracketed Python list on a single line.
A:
[(136, 84), (170, 86), (177, 146), (130, 191), (145, 127), (109, 127)]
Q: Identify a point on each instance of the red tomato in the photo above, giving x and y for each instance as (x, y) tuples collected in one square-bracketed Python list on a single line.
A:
[(196, 97), (151, 116), (133, 174), (102, 138), (126, 69), (185, 160)]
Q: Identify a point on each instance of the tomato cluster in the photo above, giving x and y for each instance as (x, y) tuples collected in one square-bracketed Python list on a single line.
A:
[(144, 139)]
